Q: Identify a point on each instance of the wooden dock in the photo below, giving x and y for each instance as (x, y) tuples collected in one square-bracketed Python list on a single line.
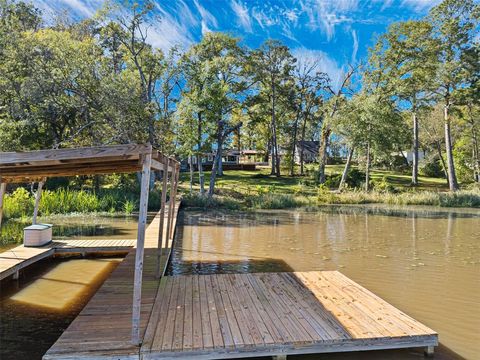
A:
[(103, 329), (269, 314), (18, 258)]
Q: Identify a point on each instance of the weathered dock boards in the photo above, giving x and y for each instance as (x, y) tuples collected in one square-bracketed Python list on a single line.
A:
[(20, 257), (103, 329), (246, 315)]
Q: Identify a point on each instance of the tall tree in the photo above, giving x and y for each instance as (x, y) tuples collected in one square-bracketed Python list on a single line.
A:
[(455, 25), (272, 65), (406, 55), (336, 97), (307, 99)]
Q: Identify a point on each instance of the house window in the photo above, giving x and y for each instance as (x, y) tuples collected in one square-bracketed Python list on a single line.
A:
[(231, 158), (210, 158)]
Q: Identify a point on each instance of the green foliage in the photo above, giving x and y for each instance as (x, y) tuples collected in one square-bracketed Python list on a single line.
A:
[(18, 204), (128, 207), (274, 201)]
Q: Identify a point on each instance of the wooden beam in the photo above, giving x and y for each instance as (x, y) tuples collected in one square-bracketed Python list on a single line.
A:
[(38, 195), (56, 156), (162, 217), (157, 165), (142, 222), (3, 187)]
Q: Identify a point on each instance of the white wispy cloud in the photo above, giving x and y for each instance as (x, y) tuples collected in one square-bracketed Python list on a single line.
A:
[(207, 16), (355, 47), (243, 16), (420, 5), (325, 63), (52, 8), (327, 14)]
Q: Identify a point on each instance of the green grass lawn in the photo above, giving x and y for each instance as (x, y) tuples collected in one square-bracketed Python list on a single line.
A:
[(250, 181), (259, 190)]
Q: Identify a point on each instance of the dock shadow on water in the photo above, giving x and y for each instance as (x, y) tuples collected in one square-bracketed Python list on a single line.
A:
[(37, 308), (424, 261)]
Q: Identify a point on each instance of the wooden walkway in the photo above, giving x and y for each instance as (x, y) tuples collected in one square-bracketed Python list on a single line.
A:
[(18, 258), (246, 315), (103, 329)]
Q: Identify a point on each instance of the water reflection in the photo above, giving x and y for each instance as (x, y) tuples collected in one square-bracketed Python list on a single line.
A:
[(64, 284), (426, 262), (35, 312)]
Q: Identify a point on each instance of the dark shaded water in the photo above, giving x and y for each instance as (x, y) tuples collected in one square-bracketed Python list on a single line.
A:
[(424, 261), (36, 309)]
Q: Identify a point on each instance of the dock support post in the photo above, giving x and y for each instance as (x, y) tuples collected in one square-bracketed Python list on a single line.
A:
[(170, 208), (38, 195), (162, 217), (142, 221), (16, 275), (428, 352), (175, 185), (3, 187)]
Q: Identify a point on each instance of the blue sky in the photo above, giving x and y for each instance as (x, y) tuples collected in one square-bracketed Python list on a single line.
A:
[(334, 32)]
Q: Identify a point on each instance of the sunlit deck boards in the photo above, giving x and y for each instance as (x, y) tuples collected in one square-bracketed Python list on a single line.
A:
[(20, 257), (103, 328), (244, 315)]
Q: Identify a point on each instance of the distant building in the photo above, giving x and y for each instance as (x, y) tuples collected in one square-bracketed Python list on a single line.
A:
[(408, 154), (232, 159), (310, 151)]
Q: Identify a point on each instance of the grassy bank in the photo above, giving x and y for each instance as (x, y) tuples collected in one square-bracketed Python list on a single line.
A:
[(258, 190)]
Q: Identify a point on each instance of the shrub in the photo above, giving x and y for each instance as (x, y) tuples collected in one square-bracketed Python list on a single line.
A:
[(128, 207), (18, 204), (274, 201)]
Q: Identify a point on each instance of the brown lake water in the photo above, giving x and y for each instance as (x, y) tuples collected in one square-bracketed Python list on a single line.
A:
[(424, 261)]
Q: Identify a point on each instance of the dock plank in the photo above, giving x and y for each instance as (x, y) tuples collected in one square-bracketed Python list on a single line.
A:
[(319, 312)]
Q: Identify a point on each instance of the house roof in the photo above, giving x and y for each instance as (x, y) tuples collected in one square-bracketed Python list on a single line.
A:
[(309, 145)]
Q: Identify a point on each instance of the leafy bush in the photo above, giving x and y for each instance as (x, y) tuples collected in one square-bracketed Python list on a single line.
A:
[(333, 181), (383, 185), (355, 178), (18, 204), (432, 167)]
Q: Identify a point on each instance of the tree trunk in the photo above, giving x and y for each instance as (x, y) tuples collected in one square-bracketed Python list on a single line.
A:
[(452, 177), (201, 175), (190, 160), (216, 161), (274, 132), (475, 153), (323, 153), (440, 155), (367, 168), (220, 164), (346, 168), (302, 140), (272, 156), (294, 143), (415, 149)]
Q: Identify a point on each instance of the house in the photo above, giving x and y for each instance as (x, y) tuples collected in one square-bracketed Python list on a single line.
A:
[(250, 156), (310, 151), (408, 154), (230, 161)]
